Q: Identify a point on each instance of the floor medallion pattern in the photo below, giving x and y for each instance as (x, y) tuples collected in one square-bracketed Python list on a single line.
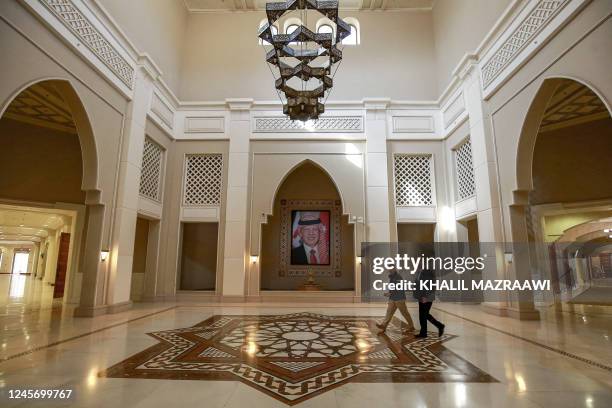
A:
[(296, 356)]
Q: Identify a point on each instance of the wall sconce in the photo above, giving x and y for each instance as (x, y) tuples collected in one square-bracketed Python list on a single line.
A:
[(358, 260), (254, 259), (104, 255), (607, 230), (509, 257)]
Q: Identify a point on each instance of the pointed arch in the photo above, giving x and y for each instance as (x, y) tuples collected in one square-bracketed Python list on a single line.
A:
[(531, 128), (293, 169), (85, 134)]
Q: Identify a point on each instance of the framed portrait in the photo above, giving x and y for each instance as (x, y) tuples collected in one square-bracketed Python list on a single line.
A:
[(310, 237), (310, 240)]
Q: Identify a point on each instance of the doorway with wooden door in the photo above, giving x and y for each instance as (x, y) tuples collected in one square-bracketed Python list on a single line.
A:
[(62, 265)]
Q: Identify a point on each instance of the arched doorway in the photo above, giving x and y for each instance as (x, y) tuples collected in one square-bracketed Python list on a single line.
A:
[(307, 244), (564, 174), (49, 173)]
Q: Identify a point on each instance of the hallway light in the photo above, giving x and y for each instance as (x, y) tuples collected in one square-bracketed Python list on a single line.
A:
[(254, 259), (359, 260), (104, 255)]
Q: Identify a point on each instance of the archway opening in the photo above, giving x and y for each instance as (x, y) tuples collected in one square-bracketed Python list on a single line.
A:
[(42, 196), (571, 185), (307, 244)]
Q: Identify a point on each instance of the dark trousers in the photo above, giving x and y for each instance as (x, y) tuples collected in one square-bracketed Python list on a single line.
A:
[(424, 316)]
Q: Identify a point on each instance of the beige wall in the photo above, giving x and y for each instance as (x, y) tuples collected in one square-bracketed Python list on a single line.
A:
[(223, 59), (573, 164), (198, 265), (459, 26), (305, 182), (156, 27), (39, 164)]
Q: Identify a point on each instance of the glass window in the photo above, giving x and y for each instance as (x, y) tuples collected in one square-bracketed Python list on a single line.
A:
[(291, 29), (325, 28), (352, 38), (274, 30)]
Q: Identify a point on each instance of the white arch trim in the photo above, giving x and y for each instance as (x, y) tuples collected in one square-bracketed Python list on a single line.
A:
[(89, 153)]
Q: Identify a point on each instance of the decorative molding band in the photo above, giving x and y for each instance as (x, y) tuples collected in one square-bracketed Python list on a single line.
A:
[(80, 26), (162, 110), (414, 124), (325, 124), (533, 26), (453, 109), (424, 214), (204, 124)]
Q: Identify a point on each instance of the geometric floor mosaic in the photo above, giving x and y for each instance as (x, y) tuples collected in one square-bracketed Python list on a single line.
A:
[(297, 356)]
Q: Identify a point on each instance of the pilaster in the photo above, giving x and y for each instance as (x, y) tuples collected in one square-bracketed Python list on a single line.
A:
[(235, 257), (378, 205)]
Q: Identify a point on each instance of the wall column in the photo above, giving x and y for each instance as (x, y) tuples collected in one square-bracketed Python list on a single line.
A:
[(489, 214), (235, 264), (378, 204), (126, 206)]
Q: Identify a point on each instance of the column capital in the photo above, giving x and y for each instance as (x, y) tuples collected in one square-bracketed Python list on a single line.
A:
[(148, 66), (376, 104), (465, 66), (239, 104)]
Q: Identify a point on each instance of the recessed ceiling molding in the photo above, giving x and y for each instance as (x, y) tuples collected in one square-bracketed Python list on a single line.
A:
[(203, 124), (241, 6), (413, 124)]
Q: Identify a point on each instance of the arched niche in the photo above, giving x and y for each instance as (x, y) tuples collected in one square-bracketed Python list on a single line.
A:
[(563, 171), (62, 100), (54, 164), (307, 187), (548, 102)]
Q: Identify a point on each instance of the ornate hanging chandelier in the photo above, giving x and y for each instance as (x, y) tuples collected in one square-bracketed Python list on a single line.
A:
[(304, 58)]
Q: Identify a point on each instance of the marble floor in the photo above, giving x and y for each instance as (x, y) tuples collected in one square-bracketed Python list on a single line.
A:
[(564, 360)]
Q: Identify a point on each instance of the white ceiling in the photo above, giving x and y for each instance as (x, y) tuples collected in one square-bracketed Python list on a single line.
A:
[(206, 6), (29, 225)]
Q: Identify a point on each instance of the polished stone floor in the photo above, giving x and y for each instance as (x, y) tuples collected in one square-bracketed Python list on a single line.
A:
[(563, 360)]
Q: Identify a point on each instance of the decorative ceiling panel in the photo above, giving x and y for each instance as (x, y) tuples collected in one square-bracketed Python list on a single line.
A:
[(41, 105), (203, 6), (572, 104)]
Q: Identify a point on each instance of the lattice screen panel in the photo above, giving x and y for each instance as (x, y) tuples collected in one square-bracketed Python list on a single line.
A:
[(466, 186), (413, 184), (203, 177), (151, 173)]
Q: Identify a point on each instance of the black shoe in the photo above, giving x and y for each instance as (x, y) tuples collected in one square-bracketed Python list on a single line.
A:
[(441, 330), (420, 336)]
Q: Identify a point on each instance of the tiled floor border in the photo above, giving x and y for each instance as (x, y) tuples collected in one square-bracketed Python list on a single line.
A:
[(78, 336), (535, 343)]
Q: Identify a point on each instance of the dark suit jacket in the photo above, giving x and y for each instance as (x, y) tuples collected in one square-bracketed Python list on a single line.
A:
[(425, 276), (298, 256)]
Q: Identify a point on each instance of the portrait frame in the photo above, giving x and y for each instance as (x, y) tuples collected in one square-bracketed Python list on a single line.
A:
[(324, 250), (333, 268)]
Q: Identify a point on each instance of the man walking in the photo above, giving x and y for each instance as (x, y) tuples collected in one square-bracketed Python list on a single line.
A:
[(425, 295), (397, 300)]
